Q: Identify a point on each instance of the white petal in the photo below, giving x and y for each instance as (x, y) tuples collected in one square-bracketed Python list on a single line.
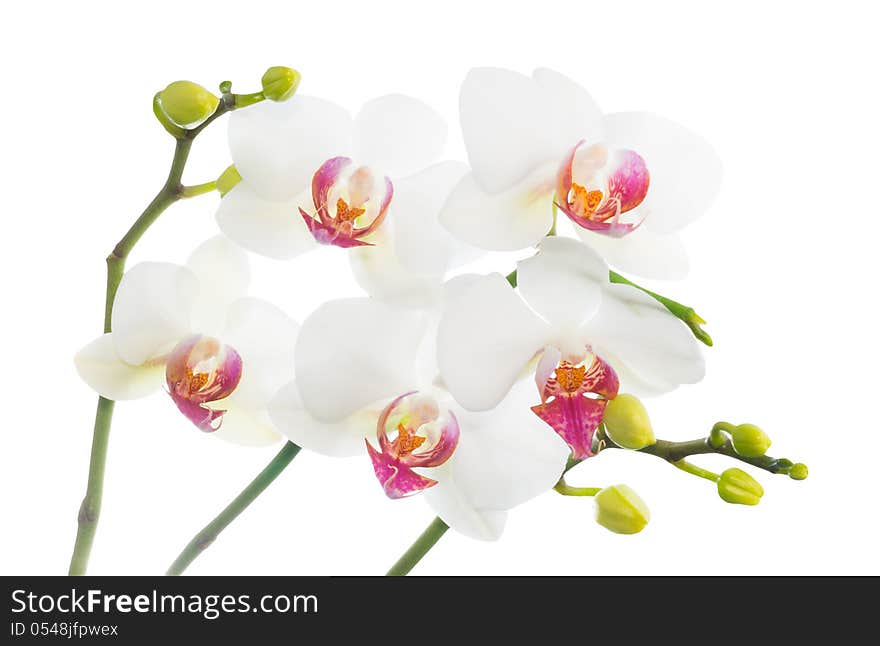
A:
[(153, 309), (516, 218), (506, 120), (641, 252), (398, 135), (685, 171), (100, 367), (486, 336), (344, 438), (277, 147), (353, 352), (244, 425), (633, 330), (563, 281), (455, 511), (576, 114), (264, 337), (224, 273), (380, 273), (506, 456), (421, 244), (273, 229)]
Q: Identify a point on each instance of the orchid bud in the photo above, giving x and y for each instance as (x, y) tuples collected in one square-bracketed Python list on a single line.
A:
[(620, 510), (187, 103), (739, 488), (799, 471), (279, 83), (749, 440), (627, 422)]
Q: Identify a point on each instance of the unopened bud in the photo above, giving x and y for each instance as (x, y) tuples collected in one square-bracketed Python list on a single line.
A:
[(799, 471), (749, 440), (739, 488), (187, 103), (627, 422), (279, 83), (620, 510)]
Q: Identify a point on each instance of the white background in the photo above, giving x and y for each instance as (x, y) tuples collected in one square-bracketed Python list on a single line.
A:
[(784, 268)]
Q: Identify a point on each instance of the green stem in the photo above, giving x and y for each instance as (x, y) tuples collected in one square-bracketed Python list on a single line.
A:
[(687, 314), (198, 189), (171, 191), (693, 469), (90, 509), (417, 550), (566, 489), (675, 451), (208, 535)]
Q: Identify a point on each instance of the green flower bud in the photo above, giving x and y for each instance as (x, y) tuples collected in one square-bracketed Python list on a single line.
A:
[(187, 103), (739, 488), (279, 83), (799, 471), (627, 423), (620, 510), (228, 179), (749, 440)]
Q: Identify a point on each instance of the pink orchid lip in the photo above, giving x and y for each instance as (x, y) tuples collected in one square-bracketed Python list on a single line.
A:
[(201, 370), (574, 399), (600, 208), (395, 460), (339, 229)]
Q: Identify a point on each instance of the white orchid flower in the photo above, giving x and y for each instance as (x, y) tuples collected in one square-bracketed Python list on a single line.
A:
[(629, 181), (365, 386), (221, 355), (583, 331), (311, 175)]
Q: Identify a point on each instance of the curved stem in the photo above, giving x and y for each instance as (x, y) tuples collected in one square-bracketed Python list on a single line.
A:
[(198, 189), (417, 550), (208, 535), (694, 470), (562, 487), (171, 191)]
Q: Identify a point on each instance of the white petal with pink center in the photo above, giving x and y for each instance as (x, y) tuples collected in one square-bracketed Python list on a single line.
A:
[(311, 175), (366, 385), (490, 332), (538, 141), (222, 355)]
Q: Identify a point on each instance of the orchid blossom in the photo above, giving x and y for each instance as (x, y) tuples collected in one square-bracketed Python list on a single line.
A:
[(366, 385), (311, 175), (220, 354), (586, 335), (627, 181)]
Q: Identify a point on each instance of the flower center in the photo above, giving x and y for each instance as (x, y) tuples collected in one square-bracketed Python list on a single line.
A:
[(356, 194), (201, 370), (407, 441), (420, 424), (596, 187), (570, 378), (584, 200), (344, 213)]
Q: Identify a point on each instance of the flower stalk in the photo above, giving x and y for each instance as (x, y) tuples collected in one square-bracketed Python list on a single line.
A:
[(675, 452), (417, 550), (172, 190), (209, 533)]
